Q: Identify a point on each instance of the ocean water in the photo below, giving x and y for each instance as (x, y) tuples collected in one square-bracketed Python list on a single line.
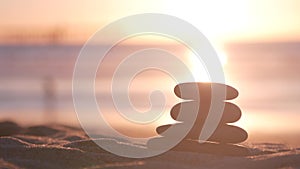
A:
[(267, 76), (36, 84)]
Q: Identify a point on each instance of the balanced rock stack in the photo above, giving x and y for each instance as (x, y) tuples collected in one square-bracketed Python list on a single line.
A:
[(225, 138)]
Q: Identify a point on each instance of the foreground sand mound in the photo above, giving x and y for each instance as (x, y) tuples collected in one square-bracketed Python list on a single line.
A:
[(60, 146)]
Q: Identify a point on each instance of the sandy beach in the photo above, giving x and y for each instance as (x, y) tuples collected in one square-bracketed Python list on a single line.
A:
[(59, 146), (78, 74)]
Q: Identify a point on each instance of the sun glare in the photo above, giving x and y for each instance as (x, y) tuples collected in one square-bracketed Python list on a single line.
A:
[(198, 68), (217, 20)]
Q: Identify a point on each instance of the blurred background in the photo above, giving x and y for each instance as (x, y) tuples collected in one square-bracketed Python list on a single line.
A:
[(258, 43)]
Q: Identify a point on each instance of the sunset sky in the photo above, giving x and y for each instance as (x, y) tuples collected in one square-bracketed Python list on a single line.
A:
[(221, 21)]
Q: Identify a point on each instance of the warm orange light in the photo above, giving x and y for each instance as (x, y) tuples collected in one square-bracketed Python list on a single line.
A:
[(198, 68)]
